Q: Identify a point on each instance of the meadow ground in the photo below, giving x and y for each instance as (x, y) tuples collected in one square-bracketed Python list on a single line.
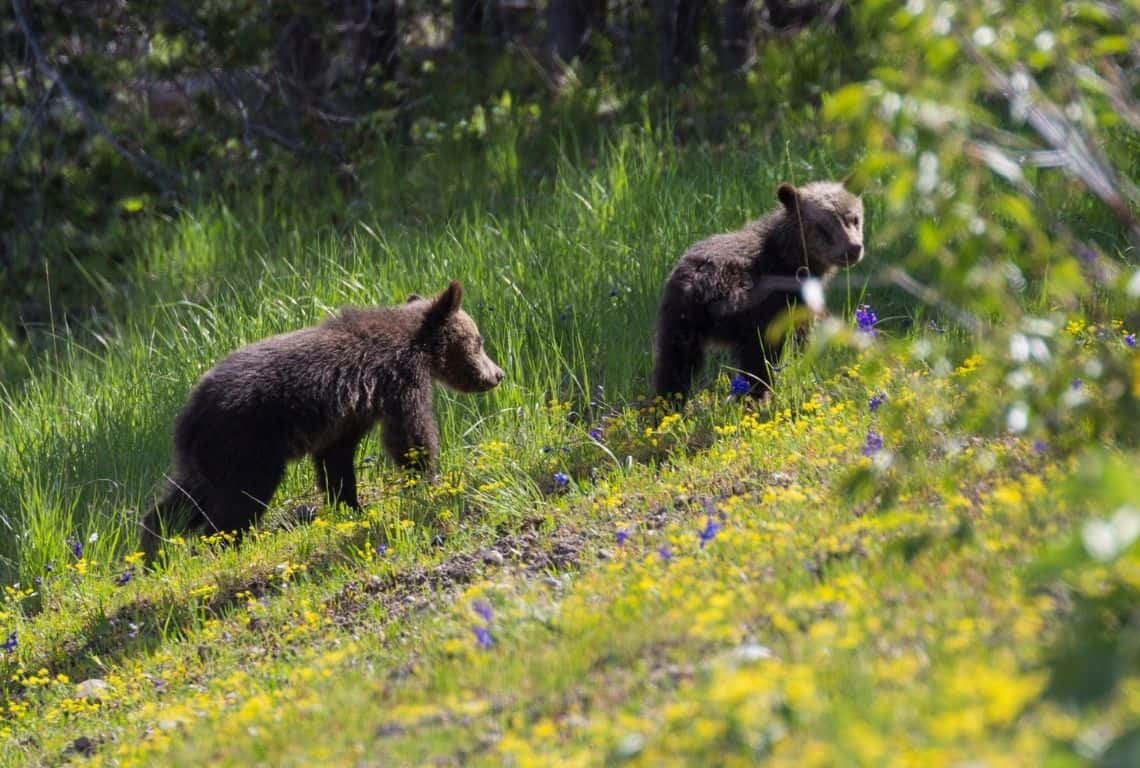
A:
[(848, 575)]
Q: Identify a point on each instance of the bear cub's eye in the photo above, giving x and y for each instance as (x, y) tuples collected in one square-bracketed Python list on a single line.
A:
[(854, 221)]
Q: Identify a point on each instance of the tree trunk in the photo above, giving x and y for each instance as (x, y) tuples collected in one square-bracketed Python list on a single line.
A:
[(467, 17), (783, 14), (513, 18), (678, 32), (736, 45), (300, 60), (569, 24), (379, 40)]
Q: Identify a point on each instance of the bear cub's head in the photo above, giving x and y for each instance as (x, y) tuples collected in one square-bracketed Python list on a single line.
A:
[(830, 219), (455, 347)]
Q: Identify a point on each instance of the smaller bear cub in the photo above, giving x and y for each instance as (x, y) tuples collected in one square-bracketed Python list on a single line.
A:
[(317, 392), (728, 290)]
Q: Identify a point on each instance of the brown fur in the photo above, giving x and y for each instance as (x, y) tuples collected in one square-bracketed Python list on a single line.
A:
[(729, 289), (317, 392)]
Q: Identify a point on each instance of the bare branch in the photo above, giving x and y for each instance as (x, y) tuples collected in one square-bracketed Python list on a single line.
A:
[(159, 176), (925, 293), (32, 124), (1081, 158)]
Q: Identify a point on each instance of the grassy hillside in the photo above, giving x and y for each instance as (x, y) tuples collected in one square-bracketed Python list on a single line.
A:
[(853, 574), (562, 275)]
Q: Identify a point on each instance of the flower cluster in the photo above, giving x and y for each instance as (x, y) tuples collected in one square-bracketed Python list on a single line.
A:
[(483, 637), (866, 319), (873, 443)]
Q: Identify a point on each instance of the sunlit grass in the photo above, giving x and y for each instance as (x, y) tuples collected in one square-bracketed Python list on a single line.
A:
[(563, 282), (836, 577)]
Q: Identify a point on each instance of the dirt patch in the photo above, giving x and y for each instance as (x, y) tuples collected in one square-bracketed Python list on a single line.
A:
[(538, 553)]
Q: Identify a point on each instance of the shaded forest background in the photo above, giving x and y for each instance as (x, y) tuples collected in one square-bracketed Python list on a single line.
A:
[(116, 111)]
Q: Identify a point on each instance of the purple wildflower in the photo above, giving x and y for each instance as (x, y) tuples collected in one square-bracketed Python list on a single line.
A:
[(76, 547), (664, 553), (874, 443), (866, 319), (709, 506), (483, 608), (123, 578), (622, 536), (483, 637), (741, 385), (876, 400), (381, 549), (1076, 384), (10, 645), (596, 434), (561, 479), (1040, 446), (709, 532), (1130, 340)]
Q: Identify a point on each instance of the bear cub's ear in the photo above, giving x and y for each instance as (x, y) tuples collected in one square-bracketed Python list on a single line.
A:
[(445, 304), (413, 297), (787, 194)]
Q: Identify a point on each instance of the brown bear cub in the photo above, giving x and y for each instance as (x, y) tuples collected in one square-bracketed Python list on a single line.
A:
[(728, 290), (317, 392)]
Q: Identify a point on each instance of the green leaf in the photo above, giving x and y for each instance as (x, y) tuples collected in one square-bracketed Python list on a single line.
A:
[(132, 204), (1058, 560), (1091, 13), (941, 53), (847, 103), (929, 238), (1112, 44), (1016, 209), (899, 189)]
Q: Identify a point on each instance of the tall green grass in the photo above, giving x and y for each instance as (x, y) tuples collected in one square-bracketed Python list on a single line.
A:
[(562, 263)]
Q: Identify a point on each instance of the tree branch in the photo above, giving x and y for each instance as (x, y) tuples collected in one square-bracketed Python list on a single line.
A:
[(159, 176)]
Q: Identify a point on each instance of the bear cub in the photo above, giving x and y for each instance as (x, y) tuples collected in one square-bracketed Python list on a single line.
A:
[(317, 392), (728, 289)]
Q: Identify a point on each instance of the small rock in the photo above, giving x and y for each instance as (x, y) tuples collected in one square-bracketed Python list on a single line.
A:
[(493, 557), (81, 746), (605, 554), (167, 725), (94, 688), (630, 745), (305, 513), (552, 582), (750, 652)]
